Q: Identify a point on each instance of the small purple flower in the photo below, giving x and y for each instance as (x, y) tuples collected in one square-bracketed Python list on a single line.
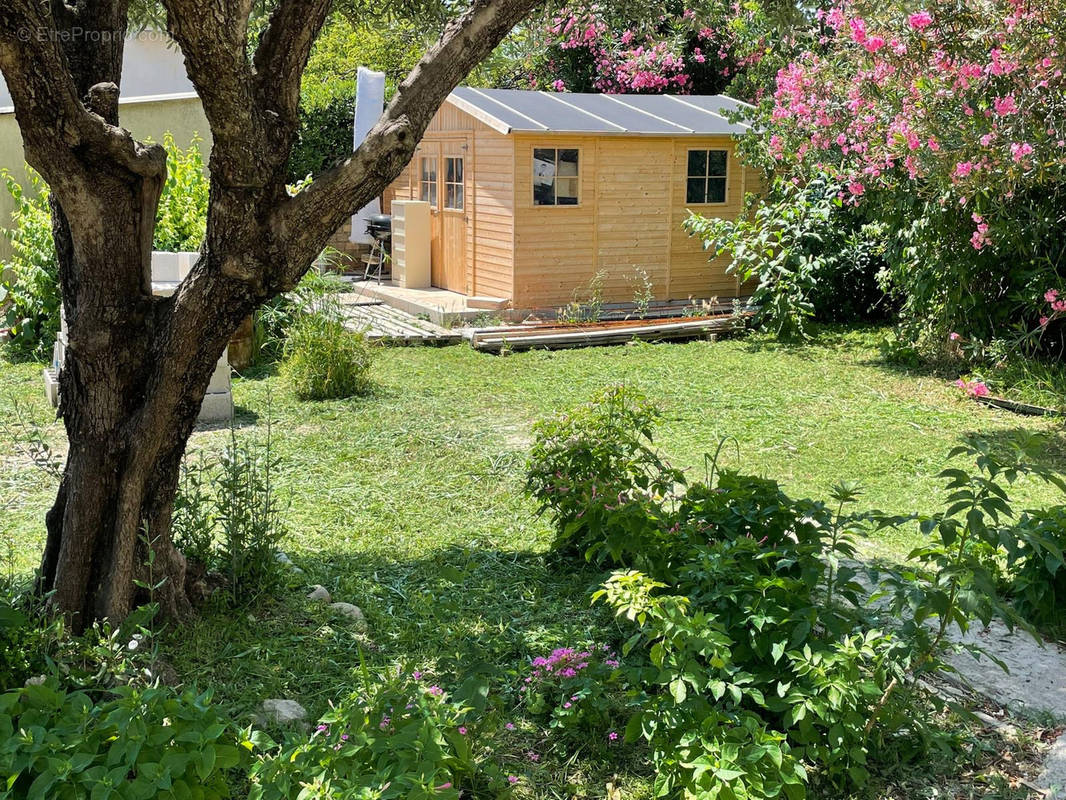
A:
[(567, 704), (417, 675), (344, 737), (462, 730), (436, 691), (384, 723), (534, 757), (612, 736), (509, 726), (444, 786), (322, 729), (512, 779)]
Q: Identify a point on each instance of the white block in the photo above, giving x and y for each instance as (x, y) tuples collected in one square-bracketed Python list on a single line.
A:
[(170, 267), (216, 407), (51, 385), (220, 381)]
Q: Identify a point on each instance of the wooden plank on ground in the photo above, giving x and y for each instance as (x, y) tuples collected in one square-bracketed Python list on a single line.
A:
[(554, 337)]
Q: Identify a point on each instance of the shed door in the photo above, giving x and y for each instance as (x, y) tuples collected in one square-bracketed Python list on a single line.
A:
[(444, 169)]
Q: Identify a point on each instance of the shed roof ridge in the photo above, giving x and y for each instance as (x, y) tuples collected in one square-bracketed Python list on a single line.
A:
[(500, 103), (705, 110), (639, 110), (554, 96)]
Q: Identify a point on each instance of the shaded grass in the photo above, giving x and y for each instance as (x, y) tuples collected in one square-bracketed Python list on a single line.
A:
[(409, 502)]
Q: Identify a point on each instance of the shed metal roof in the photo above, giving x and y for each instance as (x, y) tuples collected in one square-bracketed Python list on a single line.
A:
[(518, 111)]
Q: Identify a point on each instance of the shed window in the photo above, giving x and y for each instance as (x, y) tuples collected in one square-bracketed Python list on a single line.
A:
[(428, 181), (453, 183), (555, 177), (706, 176)]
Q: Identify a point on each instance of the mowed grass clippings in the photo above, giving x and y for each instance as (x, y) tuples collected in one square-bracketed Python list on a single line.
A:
[(409, 503)]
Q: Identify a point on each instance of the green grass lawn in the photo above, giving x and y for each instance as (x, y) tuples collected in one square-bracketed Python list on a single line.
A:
[(409, 503)]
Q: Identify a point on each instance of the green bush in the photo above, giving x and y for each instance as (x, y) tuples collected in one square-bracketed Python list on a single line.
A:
[(181, 221), (29, 281), (588, 466), (315, 293), (810, 254), (324, 360), (327, 125), (400, 739), (138, 744), (758, 664)]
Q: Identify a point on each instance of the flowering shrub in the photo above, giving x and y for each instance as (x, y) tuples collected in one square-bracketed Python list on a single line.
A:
[(599, 47), (973, 388), (399, 739), (573, 687), (949, 120)]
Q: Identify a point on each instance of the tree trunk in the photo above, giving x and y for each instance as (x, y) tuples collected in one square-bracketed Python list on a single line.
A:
[(137, 366)]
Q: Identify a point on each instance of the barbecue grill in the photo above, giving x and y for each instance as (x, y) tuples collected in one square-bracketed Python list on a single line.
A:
[(380, 227)]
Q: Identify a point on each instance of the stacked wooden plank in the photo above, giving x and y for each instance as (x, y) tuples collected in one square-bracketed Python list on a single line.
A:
[(551, 335), (383, 323)]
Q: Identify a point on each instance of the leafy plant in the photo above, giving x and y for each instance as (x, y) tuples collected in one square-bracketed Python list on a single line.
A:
[(572, 687), (643, 291), (760, 662), (29, 281), (797, 242), (249, 517), (324, 360), (315, 293), (397, 739), (586, 305), (135, 745), (181, 221), (228, 518), (588, 466)]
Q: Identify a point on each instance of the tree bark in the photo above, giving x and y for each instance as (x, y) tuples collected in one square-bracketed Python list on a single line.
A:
[(137, 366)]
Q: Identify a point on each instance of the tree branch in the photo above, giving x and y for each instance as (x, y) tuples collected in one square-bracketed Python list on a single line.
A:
[(213, 36), (308, 219), (283, 51), (58, 130)]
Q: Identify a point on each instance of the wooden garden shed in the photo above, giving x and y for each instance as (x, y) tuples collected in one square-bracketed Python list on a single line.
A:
[(532, 193)]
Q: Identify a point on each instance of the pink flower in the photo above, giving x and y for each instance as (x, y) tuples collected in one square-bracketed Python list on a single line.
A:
[(856, 188), (1005, 106), (444, 786), (963, 168), (920, 20), (954, 336), (612, 736), (1019, 150), (559, 86), (462, 730), (1044, 321), (436, 691), (512, 779), (1051, 295), (509, 726), (874, 43), (417, 675)]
